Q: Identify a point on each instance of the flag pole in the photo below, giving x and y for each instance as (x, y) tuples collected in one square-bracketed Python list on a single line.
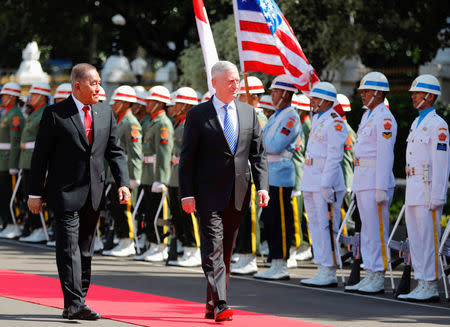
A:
[(247, 90)]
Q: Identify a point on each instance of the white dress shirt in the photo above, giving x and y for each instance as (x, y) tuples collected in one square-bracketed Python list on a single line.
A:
[(80, 107), (232, 113)]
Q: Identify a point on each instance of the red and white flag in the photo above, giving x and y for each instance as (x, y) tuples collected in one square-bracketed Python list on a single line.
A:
[(206, 40), (267, 43)]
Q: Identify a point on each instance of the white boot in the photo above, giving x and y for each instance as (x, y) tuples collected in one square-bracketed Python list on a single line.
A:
[(161, 253), (292, 262), (125, 248), (247, 265), (150, 251), (277, 271), (325, 277), (428, 293), (413, 292), (238, 263), (192, 259), (11, 231), (375, 286), (26, 238), (235, 257), (37, 236), (303, 253), (363, 282), (142, 240), (180, 248), (52, 244), (98, 244), (264, 249)]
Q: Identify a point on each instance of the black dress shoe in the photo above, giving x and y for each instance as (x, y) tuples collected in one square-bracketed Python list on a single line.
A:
[(209, 313), (80, 313), (223, 313), (65, 314), (92, 316)]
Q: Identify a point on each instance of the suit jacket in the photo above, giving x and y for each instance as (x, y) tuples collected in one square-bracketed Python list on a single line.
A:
[(75, 168), (208, 169)]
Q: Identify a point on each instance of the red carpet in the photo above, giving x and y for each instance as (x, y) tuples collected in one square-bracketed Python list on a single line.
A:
[(131, 307)]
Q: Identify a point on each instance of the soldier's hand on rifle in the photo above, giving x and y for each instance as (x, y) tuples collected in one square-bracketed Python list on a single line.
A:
[(381, 196), (188, 204), (433, 205), (134, 183), (327, 194), (124, 195), (35, 205), (13, 171), (158, 187)]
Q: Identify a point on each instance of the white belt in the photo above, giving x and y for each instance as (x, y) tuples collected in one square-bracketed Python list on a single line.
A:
[(150, 159), (285, 155), (411, 171), (27, 145), (365, 162), (317, 162), (5, 146)]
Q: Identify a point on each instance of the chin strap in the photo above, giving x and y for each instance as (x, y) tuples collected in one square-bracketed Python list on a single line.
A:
[(318, 107), (423, 101), (373, 97), (281, 99)]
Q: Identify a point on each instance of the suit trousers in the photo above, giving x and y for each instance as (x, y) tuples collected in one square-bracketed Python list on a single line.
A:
[(74, 233), (218, 232), (5, 196), (424, 251)]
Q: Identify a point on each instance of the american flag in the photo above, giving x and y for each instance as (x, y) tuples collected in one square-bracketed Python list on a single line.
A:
[(267, 43)]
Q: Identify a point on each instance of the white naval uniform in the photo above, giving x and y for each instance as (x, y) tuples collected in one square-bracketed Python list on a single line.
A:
[(374, 159), (322, 168), (427, 147)]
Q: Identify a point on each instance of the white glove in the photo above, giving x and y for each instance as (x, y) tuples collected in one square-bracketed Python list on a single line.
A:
[(381, 196), (327, 194), (134, 183), (13, 171), (158, 187), (296, 193), (433, 205)]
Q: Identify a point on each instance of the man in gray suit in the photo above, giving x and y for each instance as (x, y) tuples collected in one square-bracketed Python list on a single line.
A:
[(221, 137)]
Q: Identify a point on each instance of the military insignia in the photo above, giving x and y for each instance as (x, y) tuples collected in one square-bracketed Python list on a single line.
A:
[(135, 127), (334, 115), (339, 121), (442, 147), (387, 135), (285, 131), (387, 126), (289, 124), (164, 129), (442, 129), (442, 137), (164, 135), (164, 142), (293, 119), (135, 132), (338, 127), (388, 119), (349, 140), (16, 121)]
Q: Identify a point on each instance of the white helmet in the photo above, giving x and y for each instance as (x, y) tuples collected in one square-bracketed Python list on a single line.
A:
[(283, 82), (124, 93), (266, 102), (426, 83), (41, 88), (374, 81), (186, 95), (141, 94), (172, 99), (344, 102), (159, 93), (386, 103), (111, 100), (303, 102), (101, 94), (323, 90), (206, 97), (63, 91), (11, 88), (255, 86)]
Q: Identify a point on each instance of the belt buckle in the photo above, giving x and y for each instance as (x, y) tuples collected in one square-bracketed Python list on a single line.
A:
[(356, 161), (413, 171)]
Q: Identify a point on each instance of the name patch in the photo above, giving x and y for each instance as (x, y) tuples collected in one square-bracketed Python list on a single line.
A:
[(442, 147)]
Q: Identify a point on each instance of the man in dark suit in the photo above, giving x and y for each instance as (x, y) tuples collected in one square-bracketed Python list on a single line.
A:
[(74, 139), (220, 138)]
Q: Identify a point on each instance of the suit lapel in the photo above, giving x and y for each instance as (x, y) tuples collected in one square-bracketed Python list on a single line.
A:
[(75, 117), (95, 122), (213, 119), (240, 117)]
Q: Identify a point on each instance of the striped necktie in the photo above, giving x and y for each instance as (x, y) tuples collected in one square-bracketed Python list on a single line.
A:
[(228, 129)]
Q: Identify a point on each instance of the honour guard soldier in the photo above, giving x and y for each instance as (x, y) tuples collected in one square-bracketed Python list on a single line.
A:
[(39, 98), (62, 92), (373, 181), (265, 103), (138, 108), (11, 125), (186, 226), (248, 239), (157, 148), (101, 94), (427, 170), (130, 134), (206, 97), (280, 136), (323, 184)]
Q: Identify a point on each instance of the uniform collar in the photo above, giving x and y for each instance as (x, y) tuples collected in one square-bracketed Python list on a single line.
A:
[(423, 113), (121, 116), (281, 109), (321, 113), (157, 114)]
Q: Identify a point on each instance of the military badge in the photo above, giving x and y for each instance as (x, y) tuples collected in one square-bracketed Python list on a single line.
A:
[(387, 126), (387, 135), (285, 131), (338, 127), (290, 124), (442, 137)]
